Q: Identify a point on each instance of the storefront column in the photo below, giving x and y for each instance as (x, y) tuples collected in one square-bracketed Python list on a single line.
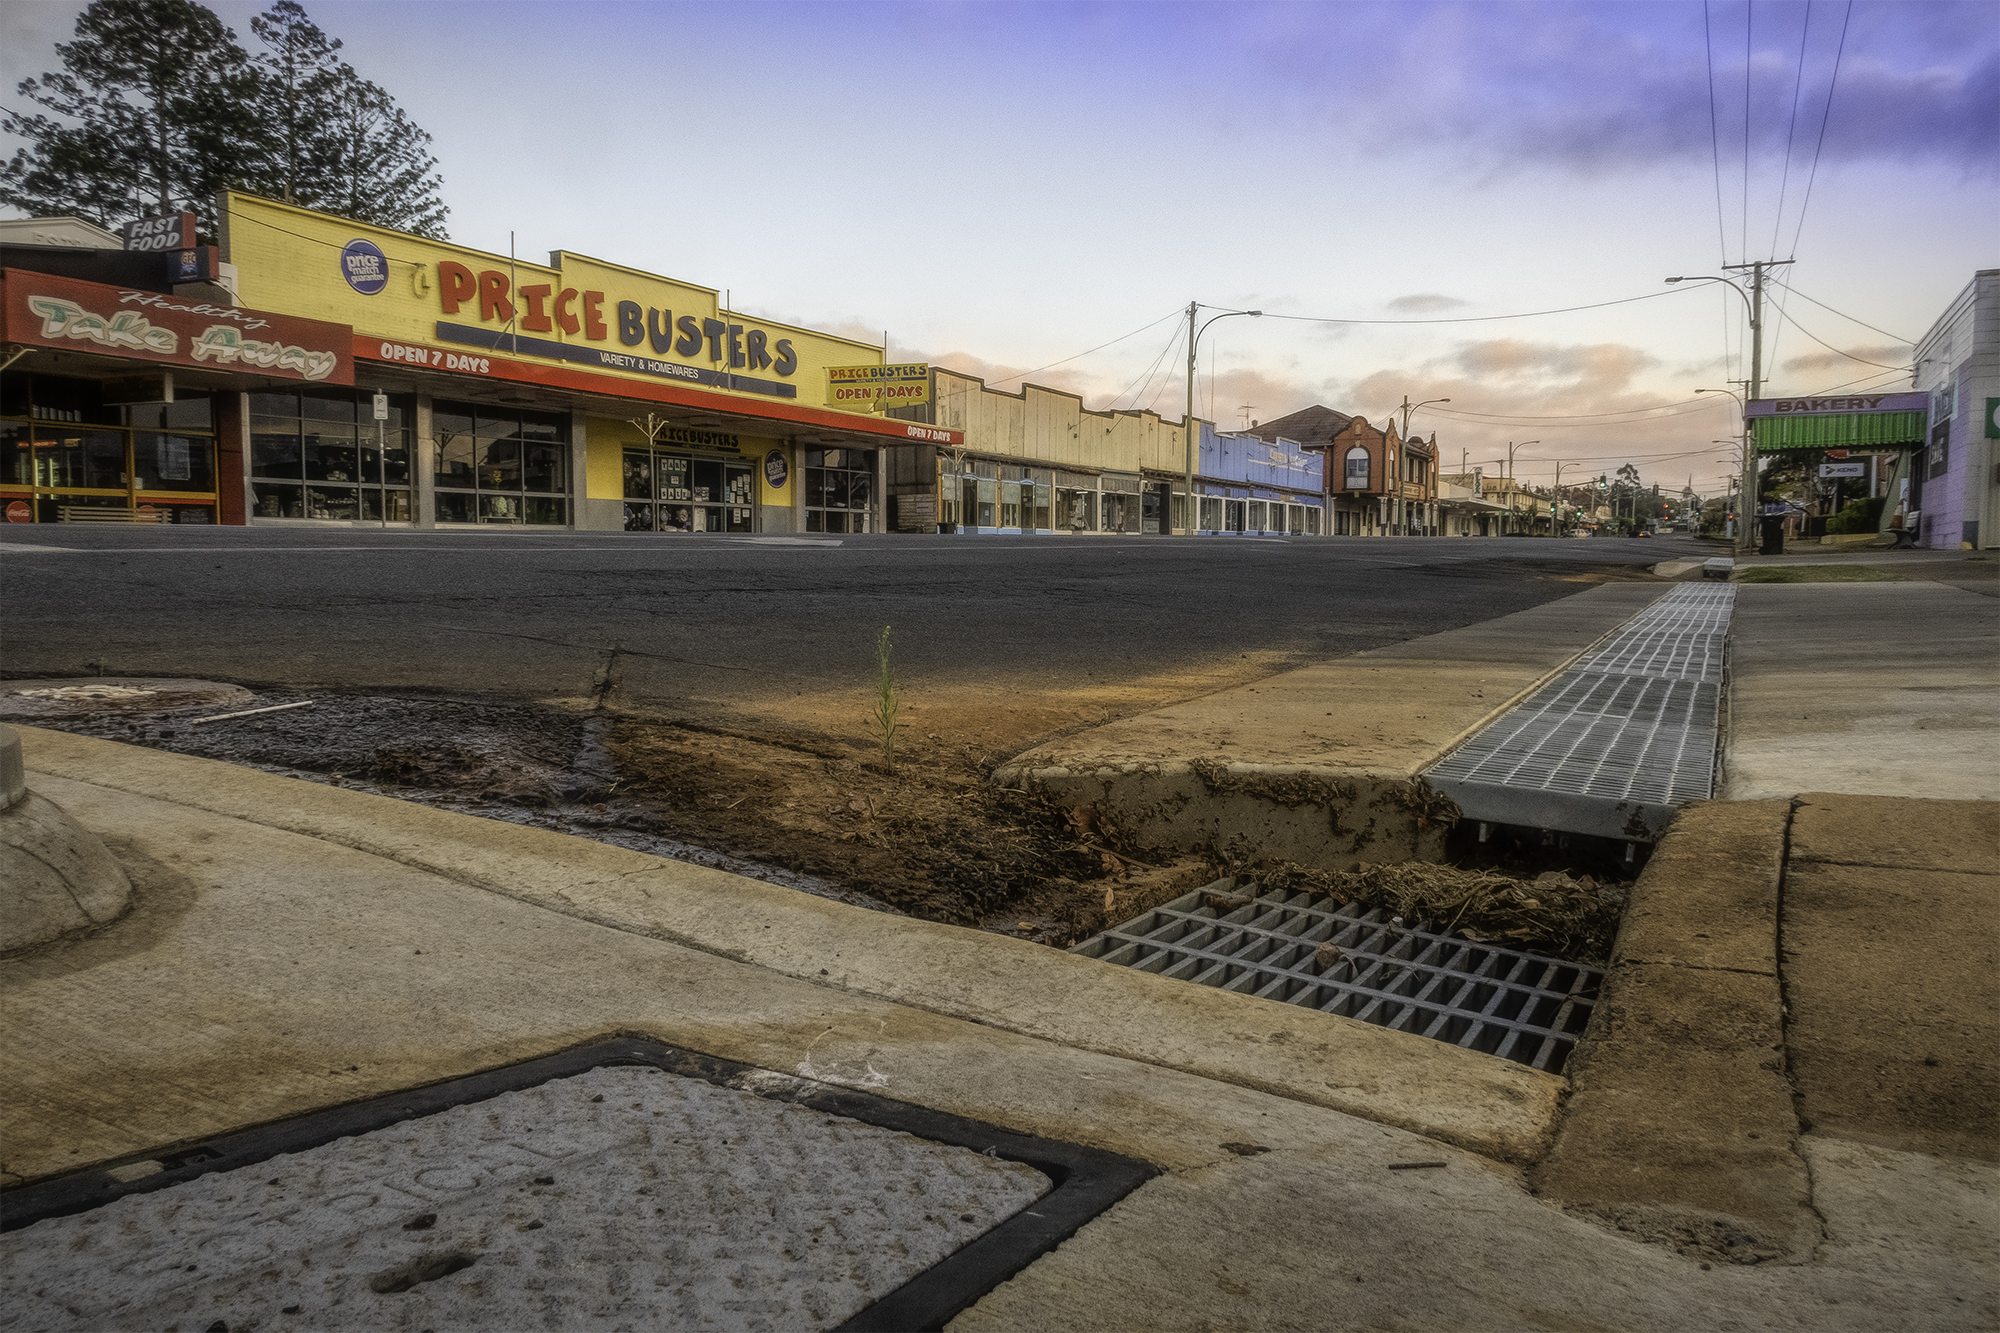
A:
[(233, 499), (423, 466), (798, 487), (879, 506), (581, 513)]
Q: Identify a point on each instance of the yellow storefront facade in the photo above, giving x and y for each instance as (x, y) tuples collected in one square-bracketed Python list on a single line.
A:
[(490, 390)]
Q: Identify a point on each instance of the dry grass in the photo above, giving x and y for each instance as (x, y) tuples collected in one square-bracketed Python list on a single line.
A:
[(1555, 913)]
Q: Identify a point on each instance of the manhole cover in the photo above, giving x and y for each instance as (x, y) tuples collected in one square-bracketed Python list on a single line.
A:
[(31, 701), (625, 1186)]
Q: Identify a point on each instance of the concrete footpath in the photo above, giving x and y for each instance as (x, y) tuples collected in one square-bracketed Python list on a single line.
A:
[(1782, 1118)]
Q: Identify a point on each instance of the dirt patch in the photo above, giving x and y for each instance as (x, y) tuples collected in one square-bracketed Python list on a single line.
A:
[(928, 837), (803, 807), (1557, 913)]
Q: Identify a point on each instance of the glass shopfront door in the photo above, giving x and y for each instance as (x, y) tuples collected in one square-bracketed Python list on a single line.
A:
[(676, 492)]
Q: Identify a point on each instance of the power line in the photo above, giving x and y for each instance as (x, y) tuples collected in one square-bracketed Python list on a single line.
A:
[(1462, 319), (1831, 83), (1791, 130), (1836, 351), (1569, 416), (1174, 314), (1147, 373), (1908, 342), (1714, 134), (1749, 18)]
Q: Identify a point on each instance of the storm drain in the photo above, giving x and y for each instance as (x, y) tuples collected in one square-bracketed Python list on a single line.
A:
[(627, 1185), (1617, 743), (1361, 963)]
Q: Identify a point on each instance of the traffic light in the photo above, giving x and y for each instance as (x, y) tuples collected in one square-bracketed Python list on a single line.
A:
[(1602, 483)]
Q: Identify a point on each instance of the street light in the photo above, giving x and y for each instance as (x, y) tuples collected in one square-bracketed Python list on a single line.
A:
[(1187, 418), (1511, 447), (1747, 462), (1755, 307)]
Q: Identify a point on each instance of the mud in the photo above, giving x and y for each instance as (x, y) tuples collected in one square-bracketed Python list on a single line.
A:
[(926, 837), (774, 799)]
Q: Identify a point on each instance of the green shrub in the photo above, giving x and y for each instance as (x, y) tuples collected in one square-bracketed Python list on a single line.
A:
[(1863, 515)]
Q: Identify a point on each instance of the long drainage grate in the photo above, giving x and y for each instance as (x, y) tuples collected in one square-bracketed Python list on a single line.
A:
[(1360, 963), (1615, 744)]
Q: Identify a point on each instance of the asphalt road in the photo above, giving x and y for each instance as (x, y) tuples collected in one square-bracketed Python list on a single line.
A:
[(710, 625)]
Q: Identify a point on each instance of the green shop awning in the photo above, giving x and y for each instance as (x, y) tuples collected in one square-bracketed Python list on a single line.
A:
[(1843, 430)]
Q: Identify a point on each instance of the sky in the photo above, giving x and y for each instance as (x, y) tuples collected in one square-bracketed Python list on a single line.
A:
[(1004, 189)]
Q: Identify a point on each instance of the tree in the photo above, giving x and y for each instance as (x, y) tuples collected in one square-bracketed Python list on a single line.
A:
[(158, 109), (337, 142), (155, 101), (299, 76)]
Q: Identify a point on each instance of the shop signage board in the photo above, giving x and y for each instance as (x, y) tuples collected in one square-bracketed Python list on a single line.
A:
[(38, 310), (1838, 405), (878, 388), (157, 235), (574, 312)]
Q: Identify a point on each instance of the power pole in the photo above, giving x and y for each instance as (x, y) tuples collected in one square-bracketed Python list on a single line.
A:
[(1193, 515), (1744, 539)]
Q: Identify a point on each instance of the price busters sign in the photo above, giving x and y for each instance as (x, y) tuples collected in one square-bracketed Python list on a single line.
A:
[(876, 388)]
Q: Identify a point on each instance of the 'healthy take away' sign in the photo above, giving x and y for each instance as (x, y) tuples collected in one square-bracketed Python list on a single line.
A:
[(43, 311)]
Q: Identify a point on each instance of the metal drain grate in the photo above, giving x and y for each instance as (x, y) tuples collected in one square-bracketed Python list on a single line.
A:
[(1518, 1006), (1617, 743)]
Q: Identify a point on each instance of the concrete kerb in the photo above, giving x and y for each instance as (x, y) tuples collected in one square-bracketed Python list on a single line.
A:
[(1495, 1108), (1681, 1126), (1264, 767)]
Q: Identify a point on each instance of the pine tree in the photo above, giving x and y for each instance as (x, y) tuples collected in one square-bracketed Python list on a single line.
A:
[(155, 107), (298, 79), (337, 142)]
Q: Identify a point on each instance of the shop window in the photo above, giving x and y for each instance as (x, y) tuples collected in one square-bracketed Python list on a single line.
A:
[(638, 481), (398, 502), (840, 490), (1211, 513), (333, 502), (1038, 509), (1257, 519), (173, 462), (1076, 508), (277, 500), (328, 438), (502, 465)]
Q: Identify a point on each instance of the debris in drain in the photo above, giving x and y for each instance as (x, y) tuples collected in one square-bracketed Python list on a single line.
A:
[(250, 712), (1554, 913)]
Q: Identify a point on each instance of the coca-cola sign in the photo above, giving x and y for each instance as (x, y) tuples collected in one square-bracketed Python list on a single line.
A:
[(44, 311)]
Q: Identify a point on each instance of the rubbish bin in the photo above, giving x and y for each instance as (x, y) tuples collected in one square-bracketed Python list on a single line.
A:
[(1772, 530)]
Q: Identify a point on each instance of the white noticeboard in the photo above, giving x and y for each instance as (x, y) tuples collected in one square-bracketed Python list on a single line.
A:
[(1827, 470)]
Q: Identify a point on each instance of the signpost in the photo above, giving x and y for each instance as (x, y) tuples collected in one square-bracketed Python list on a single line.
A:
[(1827, 470)]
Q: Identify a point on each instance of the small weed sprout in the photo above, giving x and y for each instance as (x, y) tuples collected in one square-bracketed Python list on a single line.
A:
[(885, 698)]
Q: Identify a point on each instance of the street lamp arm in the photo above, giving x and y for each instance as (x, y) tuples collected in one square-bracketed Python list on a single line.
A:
[(1727, 282), (1193, 515)]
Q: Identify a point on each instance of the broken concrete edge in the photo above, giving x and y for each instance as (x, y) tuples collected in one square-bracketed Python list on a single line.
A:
[(1492, 1107), (1324, 817), (1681, 1125)]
